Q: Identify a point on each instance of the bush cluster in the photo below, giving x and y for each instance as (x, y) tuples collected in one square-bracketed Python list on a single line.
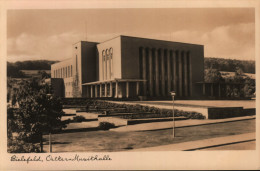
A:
[(106, 125), (101, 104), (79, 119)]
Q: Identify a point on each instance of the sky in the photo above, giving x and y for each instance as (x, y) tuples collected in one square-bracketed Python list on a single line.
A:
[(49, 34)]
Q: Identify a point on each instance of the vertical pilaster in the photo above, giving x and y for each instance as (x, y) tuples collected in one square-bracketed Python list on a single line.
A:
[(174, 71), (186, 87), (150, 71), (162, 73), (226, 90), (91, 91), (86, 87), (100, 91), (127, 89), (95, 91), (168, 72), (180, 73), (105, 90), (190, 73), (203, 89), (103, 66), (111, 89), (116, 89), (105, 70), (109, 67), (138, 88), (144, 71), (157, 79)]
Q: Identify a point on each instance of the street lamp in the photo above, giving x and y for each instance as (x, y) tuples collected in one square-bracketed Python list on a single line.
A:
[(173, 94), (50, 143)]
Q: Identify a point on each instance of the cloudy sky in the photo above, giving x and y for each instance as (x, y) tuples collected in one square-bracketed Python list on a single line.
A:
[(49, 34)]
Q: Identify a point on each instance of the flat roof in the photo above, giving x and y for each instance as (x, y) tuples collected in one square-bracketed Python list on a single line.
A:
[(133, 37), (61, 61), (84, 41)]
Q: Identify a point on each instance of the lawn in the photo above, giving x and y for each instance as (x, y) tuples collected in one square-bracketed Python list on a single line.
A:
[(202, 103), (109, 141)]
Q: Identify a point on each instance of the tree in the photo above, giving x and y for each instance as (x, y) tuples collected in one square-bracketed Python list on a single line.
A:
[(39, 112), (213, 75), (238, 78), (43, 75), (249, 87), (229, 65)]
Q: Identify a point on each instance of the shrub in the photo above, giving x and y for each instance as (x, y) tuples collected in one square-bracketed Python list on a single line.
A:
[(106, 125), (79, 119), (98, 104)]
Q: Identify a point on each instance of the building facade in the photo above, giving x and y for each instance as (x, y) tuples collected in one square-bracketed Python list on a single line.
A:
[(128, 67)]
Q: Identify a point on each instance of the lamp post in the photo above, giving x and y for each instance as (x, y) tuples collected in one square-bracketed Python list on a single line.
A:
[(50, 143), (173, 94)]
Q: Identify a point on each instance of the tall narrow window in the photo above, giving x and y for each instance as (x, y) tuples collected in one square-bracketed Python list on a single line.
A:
[(111, 62), (107, 65), (103, 64), (71, 70)]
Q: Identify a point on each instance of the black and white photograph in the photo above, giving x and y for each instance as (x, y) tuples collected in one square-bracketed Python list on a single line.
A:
[(89, 84)]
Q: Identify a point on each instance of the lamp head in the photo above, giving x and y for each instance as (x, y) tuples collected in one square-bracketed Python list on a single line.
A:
[(173, 93)]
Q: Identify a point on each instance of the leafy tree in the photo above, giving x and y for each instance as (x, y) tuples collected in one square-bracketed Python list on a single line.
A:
[(43, 75), (248, 66), (212, 75), (248, 84), (39, 112), (238, 78), (13, 69), (249, 87)]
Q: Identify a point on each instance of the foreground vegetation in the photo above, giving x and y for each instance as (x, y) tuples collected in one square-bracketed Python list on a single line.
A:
[(33, 113)]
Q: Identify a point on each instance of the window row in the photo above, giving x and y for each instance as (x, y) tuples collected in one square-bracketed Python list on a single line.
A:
[(64, 72)]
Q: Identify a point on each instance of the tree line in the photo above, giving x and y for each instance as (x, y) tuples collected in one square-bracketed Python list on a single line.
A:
[(221, 64), (14, 69), (229, 65)]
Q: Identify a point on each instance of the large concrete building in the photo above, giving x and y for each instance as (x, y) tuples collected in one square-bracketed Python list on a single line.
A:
[(129, 67)]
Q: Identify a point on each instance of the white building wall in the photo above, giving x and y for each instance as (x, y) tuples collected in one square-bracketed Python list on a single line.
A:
[(115, 44)]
